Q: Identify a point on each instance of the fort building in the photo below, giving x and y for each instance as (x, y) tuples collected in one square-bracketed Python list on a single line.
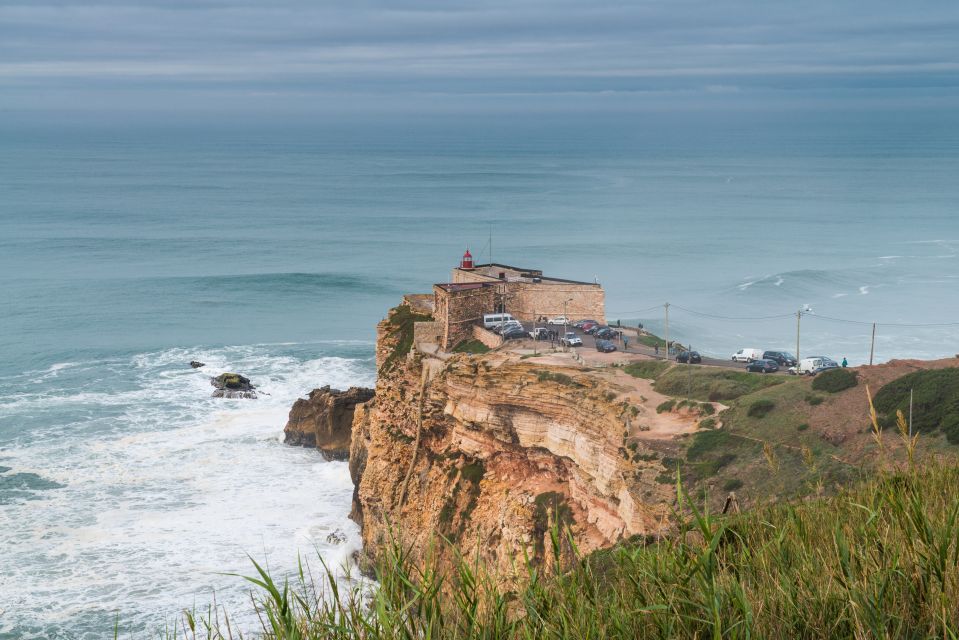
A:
[(526, 294)]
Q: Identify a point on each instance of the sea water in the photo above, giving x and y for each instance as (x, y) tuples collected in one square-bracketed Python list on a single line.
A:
[(128, 249)]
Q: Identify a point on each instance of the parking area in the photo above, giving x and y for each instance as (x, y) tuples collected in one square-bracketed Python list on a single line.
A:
[(628, 348)]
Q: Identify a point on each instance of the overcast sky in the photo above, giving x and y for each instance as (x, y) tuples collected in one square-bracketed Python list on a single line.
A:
[(481, 55)]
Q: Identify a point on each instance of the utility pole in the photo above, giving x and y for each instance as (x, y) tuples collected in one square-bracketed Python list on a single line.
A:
[(565, 322), (872, 344), (689, 372), (667, 330), (798, 320)]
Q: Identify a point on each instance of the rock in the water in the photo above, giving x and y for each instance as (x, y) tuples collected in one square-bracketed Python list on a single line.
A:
[(233, 385), (337, 537), (325, 420), (196, 364)]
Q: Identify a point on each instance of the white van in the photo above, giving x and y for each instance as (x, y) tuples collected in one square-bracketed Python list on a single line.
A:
[(491, 320), (747, 355), (813, 365)]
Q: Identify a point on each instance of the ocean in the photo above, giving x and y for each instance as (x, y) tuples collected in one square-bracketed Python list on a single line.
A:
[(128, 249)]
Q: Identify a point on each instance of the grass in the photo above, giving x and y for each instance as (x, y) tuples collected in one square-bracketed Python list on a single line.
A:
[(649, 369), (712, 384), (471, 346), (559, 378), (874, 562), (760, 408)]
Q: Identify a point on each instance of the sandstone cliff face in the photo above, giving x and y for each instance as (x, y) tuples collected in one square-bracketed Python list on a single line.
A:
[(487, 451), (325, 419)]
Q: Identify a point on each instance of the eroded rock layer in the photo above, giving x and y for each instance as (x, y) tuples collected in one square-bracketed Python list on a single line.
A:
[(489, 451), (324, 420)]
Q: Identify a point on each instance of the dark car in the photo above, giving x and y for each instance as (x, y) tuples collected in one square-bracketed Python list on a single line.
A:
[(515, 334), (592, 328), (782, 358), (692, 357), (762, 366), (605, 346), (582, 323), (606, 333)]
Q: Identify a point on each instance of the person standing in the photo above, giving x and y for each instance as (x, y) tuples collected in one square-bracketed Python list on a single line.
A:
[(845, 363)]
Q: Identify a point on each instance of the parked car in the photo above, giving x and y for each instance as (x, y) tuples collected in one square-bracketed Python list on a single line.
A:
[(762, 366), (559, 320), (606, 333), (515, 334), (605, 346), (692, 357), (491, 320), (589, 327), (782, 358), (812, 365), (541, 333), (747, 355), (572, 340), (593, 328), (509, 325), (581, 324)]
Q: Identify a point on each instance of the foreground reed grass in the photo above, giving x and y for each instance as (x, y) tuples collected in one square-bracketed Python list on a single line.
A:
[(881, 561)]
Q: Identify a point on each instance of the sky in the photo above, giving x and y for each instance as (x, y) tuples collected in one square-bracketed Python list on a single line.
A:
[(444, 56)]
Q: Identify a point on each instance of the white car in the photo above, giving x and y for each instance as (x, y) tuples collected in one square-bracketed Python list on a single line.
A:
[(559, 320), (572, 340), (747, 355)]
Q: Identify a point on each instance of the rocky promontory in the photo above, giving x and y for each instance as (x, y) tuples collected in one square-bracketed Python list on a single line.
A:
[(233, 385), (324, 420)]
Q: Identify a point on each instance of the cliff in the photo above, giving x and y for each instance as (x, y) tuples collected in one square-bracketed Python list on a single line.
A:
[(487, 451), (324, 420)]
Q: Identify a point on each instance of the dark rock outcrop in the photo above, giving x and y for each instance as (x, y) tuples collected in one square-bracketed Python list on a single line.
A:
[(196, 364), (233, 385), (325, 420)]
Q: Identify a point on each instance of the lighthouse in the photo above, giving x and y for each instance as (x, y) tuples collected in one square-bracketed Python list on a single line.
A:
[(467, 261)]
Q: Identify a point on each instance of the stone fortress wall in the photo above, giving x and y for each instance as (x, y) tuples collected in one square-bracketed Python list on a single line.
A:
[(527, 294)]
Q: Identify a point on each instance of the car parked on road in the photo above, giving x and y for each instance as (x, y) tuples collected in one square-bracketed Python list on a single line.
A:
[(509, 325), (515, 334), (581, 324), (747, 355), (691, 357), (762, 366), (605, 346), (572, 340), (589, 327), (606, 333), (558, 321), (782, 358), (812, 365), (542, 333), (491, 320)]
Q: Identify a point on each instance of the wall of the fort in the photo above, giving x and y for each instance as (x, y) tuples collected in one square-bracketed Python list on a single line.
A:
[(428, 332), (490, 339), (462, 276), (459, 311), (528, 301)]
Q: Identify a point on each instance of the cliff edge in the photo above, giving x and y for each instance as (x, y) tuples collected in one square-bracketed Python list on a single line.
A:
[(324, 420), (489, 451)]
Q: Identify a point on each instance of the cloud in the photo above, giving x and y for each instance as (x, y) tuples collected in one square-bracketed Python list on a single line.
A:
[(192, 52)]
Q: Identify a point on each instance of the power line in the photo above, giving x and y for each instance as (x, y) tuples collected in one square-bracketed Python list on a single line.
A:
[(807, 314)]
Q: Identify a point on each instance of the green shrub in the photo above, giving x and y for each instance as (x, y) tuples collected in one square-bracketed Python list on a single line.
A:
[(401, 321), (705, 442), (712, 465), (708, 423), (666, 406), (814, 400), (802, 427), (935, 399), (760, 408), (835, 380), (470, 346), (559, 378), (732, 484), (707, 409)]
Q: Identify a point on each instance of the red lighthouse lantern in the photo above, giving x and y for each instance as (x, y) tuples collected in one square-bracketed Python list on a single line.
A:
[(467, 261)]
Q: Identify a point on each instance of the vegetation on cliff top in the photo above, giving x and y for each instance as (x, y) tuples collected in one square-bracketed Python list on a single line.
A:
[(877, 561), (935, 401), (401, 321)]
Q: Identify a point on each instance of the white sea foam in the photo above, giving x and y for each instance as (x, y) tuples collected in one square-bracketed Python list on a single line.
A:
[(180, 489)]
